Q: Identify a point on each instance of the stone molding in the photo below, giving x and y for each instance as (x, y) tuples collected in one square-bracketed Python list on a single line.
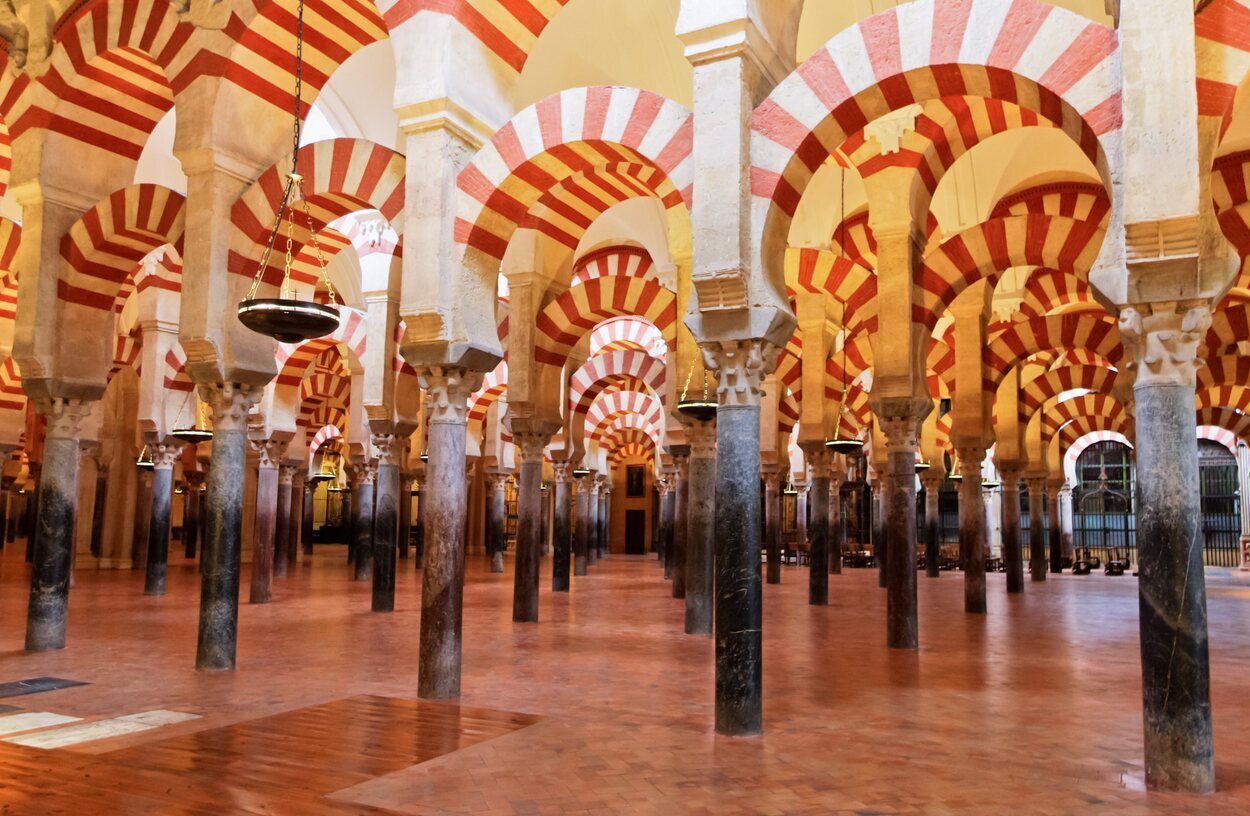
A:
[(772, 478), (390, 448), (701, 436), (366, 473), (286, 474), (970, 459), (230, 403), (448, 389), (270, 451), (165, 454), (64, 416), (1164, 339), (531, 444), (740, 367), (900, 433), (561, 468)]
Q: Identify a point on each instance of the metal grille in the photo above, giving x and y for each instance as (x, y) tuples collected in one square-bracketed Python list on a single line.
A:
[(1104, 526), (1221, 511)]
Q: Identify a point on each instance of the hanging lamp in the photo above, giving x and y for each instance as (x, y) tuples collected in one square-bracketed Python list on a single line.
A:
[(700, 409), (845, 445), (287, 318), (329, 467), (581, 472), (922, 466), (194, 433), (144, 462)]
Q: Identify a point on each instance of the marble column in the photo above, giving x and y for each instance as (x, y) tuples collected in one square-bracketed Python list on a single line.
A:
[(496, 507), (932, 480), (700, 527), (561, 532), (681, 513), (772, 522), (973, 539), (605, 499), (295, 519), (740, 367), (190, 512), (668, 487), (48, 609), (1172, 609), (902, 620), (307, 527), (592, 520), (390, 448), (529, 525), (819, 459), (405, 514), (880, 546), (800, 513), (1013, 554), (223, 512), (442, 579), (1037, 527), (98, 508), (141, 531), (282, 520), (1055, 488), (581, 538), (419, 548), (1066, 539), (362, 531), (264, 523), (837, 528), (164, 455)]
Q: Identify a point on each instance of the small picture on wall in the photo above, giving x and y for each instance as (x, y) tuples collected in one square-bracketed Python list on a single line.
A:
[(635, 478)]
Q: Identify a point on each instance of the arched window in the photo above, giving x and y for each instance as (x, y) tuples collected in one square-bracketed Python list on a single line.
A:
[(1221, 522), (1103, 523)]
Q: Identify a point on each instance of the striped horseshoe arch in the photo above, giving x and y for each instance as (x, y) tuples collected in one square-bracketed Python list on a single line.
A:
[(625, 424), (1093, 333), (1223, 55), (1078, 200), (625, 370), (1048, 291), (627, 332), (1082, 427), (493, 387), (1227, 370), (563, 322), (633, 449), (104, 246), (1056, 63), (850, 283), (1236, 397), (578, 132), (1230, 191), (294, 359), (1088, 407), (1229, 326), (508, 29), (12, 397), (615, 261), (1229, 419), (1041, 390), (322, 436)]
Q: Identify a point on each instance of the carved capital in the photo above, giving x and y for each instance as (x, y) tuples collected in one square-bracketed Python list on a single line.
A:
[(681, 463), (271, 451), (496, 479), (740, 367), (64, 416), (531, 444), (230, 403), (1163, 340), (970, 459), (932, 479), (164, 455), (1036, 486), (365, 473), (701, 436), (900, 433), (448, 389), (819, 461), (562, 469), (772, 478), (286, 474), (390, 448), (1010, 476)]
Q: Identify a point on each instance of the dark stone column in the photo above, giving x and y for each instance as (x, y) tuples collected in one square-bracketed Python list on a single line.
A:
[(601, 535), (837, 531), (561, 532), (164, 455), (740, 366), (818, 459), (422, 493), (800, 513), (972, 533), (880, 546), (223, 512), (1176, 671), (667, 514), (655, 522), (581, 539), (681, 514), (265, 521), (1037, 527), (282, 521), (495, 482), (306, 506), (97, 508), (701, 528), (544, 519), (529, 525), (191, 512), (902, 621), (405, 514), (1052, 519), (932, 480), (390, 448), (772, 522), (442, 580), (143, 520), (1013, 554), (363, 501), (48, 610), (592, 520), (295, 518)]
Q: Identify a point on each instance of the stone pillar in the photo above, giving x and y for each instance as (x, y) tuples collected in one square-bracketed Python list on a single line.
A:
[(1013, 555), (592, 520), (141, 530), (362, 529), (48, 609), (1243, 485), (405, 514), (932, 480), (282, 522), (223, 511), (700, 527), (972, 532), (681, 514), (1176, 672), (307, 527), (880, 548), (529, 525), (605, 494), (442, 585), (496, 506), (1066, 539), (190, 512), (295, 518), (1037, 527), (98, 508), (819, 459), (264, 523), (740, 367), (1052, 518), (390, 448), (561, 532), (902, 623), (800, 512), (163, 458), (772, 522), (837, 530), (581, 538), (668, 486)]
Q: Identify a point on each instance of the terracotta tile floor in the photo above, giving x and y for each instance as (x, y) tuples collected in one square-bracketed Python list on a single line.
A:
[(1032, 709)]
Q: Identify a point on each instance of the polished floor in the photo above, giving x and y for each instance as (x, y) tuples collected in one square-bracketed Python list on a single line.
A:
[(605, 706)]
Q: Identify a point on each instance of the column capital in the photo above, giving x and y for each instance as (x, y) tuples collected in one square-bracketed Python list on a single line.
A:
[(390, 448), (496, 479), (1163, 339), (271, 451), (165, 454), (1036, 483), (681, 464), (365, 473), (970, 459), (932, 479), (286, 473), (230, 403), (819, 460), (561, 468), (448, 389), (772, 477), (531, 444), (740, 367), (1010, 476), (64, 416), (901, 432), (701, 436)]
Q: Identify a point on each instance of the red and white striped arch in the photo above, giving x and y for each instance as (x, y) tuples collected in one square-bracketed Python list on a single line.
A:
[(1081, 428), (621, 429), (12, 397), (1085, 406), (615, 404), (341, 176), (1078, 447), (575, 132), (940, 363), (322, 436), (634, 448), (563, 322), (1228, 419), (493, 387), (164, 273), (1055, 63), (1040, 390), (176, 377), (787, 413), (1097, 334), (825, 272), (126, 352), (1226, 438), (103, 247), (856, 241), (626, 370), (1078, 200), (989, 249), (615, 261), (1222, 42), (1236, 397), (1051, 290), (1230, 191), (10, 238), (1229, 326), (508, 29), (627, 332), (294, 359), (1226, 370)]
